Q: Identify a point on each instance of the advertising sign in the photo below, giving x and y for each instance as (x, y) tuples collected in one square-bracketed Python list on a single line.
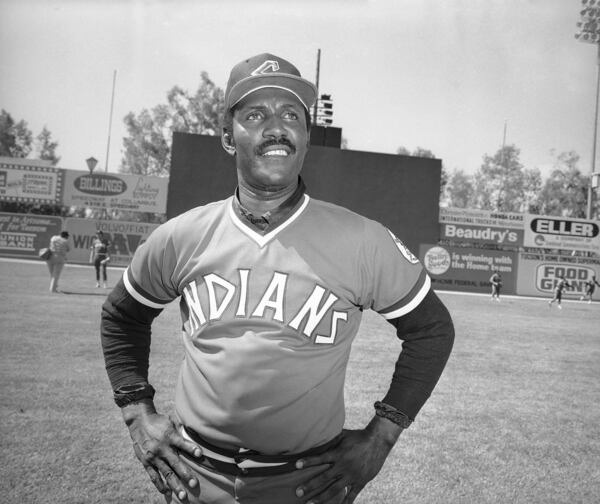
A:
[(538, 276), (124, 237), (468, 269), (22, 235), (138, 193), (473, 233), (30, 183), (562, 233), (481, 218)]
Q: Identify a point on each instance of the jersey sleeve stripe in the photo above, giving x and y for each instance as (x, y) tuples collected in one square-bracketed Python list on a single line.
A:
[(412, 300), (139, 295)]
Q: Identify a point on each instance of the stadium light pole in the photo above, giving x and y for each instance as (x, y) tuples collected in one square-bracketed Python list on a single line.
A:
[(314, 120), (589, 26)]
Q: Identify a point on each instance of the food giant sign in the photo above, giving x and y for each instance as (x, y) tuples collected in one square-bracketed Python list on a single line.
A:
[(562, 233), (539, 274), (547, 276)]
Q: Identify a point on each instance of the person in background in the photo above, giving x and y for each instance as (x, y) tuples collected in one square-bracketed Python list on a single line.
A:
[(561, 285), (100, 257), (59, 246), (496, 281), (590, 287)]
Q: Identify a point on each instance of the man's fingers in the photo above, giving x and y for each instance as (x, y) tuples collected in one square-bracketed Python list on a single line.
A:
[(352, 494), (172, 480), (334, 492), (182, 470), (324, 459), (318, 483), (185, 446), (156, 479)]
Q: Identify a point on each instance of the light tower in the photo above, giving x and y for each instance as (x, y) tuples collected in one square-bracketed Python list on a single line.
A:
[(589, 31)]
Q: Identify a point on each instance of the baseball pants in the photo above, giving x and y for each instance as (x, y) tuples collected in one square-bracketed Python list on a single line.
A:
[(100, 267), (217, 488), (55, 266)]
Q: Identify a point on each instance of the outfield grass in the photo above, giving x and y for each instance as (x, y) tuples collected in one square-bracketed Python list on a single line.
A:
[(514, 419)]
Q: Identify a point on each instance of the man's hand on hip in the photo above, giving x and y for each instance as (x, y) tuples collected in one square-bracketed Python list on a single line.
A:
[(349, 466), (157, 443)]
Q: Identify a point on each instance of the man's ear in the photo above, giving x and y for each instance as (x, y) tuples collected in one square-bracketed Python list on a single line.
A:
[(227, 142)]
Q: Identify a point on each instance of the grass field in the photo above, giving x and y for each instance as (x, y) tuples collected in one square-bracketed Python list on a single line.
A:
[(514, 419)]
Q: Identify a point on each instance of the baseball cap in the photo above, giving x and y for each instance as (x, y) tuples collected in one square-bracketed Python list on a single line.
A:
[(267, 71)]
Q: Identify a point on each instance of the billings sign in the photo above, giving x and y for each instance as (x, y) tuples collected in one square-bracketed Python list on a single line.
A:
[(562, 233), (118, 191)]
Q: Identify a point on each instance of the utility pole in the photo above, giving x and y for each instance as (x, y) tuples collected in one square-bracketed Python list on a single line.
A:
[(112, 101), (589, 27), (503, 145)]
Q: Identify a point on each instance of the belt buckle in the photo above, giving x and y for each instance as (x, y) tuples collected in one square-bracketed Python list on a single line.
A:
[(242, 457)]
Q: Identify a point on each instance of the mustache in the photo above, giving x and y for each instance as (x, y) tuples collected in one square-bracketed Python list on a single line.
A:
[(260, 150)]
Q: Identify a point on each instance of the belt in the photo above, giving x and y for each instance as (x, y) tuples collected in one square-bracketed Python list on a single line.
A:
[(247, 462)]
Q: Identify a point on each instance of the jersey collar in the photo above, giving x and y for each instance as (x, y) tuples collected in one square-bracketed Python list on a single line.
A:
[(268, 221), (263, 228)]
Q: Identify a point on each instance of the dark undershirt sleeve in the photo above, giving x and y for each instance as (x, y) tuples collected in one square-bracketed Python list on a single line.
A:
[(428, 335), (125, 331)]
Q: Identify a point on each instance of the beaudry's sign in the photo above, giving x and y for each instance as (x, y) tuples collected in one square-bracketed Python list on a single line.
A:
[(101, 185), (481, 234)]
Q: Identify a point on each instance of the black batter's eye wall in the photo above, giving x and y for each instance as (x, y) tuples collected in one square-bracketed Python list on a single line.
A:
[(401, 192)]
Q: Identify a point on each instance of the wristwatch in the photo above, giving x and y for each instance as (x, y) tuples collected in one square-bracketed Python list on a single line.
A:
[(386, 411), (131, 393)]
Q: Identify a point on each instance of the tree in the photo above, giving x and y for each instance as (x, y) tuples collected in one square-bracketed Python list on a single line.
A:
[(421, 152), (459, 191), (46, 148), (15, 138), (499, 181), (147, 149), (565, 191), (532, 186)]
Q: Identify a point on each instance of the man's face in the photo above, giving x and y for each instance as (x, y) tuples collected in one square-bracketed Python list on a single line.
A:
[(270, 138)]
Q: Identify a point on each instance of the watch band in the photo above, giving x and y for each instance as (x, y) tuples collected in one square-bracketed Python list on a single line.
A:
[(386, 411), (132, 393)]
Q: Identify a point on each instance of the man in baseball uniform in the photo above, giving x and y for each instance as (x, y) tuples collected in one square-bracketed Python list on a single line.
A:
[(272, 286)]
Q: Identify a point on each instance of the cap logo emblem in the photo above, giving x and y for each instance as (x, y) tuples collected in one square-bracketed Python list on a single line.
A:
[(267, 66)]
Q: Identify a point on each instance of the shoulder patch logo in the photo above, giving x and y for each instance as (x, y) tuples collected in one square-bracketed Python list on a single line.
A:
[(408, 255), (267, 66)]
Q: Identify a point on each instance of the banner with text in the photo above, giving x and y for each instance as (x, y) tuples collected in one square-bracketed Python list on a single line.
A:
[(467, 216), (30, 184), (538, 275), (22, 235), (125, 238), (468, 269), (561, 233), (476, 234), (138, 193)]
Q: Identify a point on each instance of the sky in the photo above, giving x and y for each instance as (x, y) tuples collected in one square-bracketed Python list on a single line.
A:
[(457, 77)]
